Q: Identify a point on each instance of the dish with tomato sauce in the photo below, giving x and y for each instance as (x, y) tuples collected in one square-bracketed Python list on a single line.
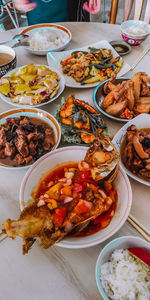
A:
[(72, 196)]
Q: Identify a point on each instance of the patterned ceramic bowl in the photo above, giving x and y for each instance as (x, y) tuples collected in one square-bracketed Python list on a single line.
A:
[(137, 39), (10, 65)]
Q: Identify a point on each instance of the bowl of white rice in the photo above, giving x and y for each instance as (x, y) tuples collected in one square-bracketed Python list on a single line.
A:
[(119, 275), (44, 38), (134, 32)]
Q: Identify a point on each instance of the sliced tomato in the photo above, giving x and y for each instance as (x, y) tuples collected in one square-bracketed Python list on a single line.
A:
[(59, 216), (82, 207)]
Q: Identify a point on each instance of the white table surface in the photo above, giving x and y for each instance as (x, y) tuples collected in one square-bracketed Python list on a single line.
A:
[(56, 273)]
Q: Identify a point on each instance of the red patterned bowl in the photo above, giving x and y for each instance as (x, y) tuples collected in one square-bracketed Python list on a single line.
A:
[(134, 39)]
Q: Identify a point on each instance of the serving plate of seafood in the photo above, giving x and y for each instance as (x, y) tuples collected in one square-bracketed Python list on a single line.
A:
[(87, 66), (31, 85), (121, 98), (80, 123), (74, 197), (133, 142)]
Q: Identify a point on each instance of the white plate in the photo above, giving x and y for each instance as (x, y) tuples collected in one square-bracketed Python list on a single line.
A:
[(75, 154), (55, 58), (61, 88), (141, 121), (51, 27)]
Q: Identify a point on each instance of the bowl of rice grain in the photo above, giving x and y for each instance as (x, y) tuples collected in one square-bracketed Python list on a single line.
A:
[(120, 275)]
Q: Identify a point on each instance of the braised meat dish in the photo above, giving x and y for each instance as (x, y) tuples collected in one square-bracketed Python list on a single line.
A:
[(88, 67), (135, 151), (23, 140), (129, 98), (67, 199)]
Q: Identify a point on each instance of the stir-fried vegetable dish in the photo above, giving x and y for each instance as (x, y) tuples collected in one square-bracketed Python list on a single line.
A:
[(91, 66), (79, 121), (30, 85)]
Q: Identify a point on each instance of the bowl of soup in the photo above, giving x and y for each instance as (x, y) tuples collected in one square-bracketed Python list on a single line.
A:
[(7, 59)]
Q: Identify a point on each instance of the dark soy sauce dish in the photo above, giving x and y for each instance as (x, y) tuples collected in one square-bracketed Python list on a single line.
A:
[(122, 48)]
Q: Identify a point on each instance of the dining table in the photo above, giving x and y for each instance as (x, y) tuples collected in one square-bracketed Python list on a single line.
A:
[(58, 273)]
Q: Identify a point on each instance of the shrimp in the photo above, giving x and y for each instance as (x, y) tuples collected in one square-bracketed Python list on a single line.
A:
[(84, 105), (67, 121), (81, 124), (66, 110), (87, 138)]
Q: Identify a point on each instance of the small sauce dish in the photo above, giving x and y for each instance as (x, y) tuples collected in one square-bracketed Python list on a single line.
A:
[(121, 47)]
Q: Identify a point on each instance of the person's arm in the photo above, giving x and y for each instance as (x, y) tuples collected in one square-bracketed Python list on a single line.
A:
[(24, 5), (93, 6)]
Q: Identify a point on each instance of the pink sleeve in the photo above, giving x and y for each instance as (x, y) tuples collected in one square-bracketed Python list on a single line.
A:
[(24, 5), (93, 6)]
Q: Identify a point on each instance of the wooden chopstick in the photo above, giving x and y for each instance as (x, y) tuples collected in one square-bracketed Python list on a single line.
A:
[(141, 56), (139, 227), (2, 236)]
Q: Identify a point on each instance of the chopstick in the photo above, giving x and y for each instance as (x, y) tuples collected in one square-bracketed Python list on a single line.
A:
[(139, 227), (2, 236), (141, 56)]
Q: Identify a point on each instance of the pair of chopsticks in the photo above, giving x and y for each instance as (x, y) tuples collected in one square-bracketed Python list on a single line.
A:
[(2, 236), (141, 56), (139, 227)]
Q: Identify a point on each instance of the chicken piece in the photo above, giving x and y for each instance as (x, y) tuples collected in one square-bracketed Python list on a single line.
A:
[(116, 108), (137, 84), (129, 94), (108, 100), (143, 105), (19, 159)]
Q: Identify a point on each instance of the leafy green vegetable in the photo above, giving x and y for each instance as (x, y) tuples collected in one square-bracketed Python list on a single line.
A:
[(78, 116)]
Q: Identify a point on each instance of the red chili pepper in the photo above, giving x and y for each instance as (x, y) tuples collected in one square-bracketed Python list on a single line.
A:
[(67, 59), (104, 216), (112, 194), (84, 174), (59, 216), (85, 180)]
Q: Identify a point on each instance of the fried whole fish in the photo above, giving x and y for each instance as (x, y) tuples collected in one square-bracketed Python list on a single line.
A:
[(52, 220)]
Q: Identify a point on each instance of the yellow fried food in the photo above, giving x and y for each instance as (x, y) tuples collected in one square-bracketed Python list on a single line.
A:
[(5, 88), (21, 88)]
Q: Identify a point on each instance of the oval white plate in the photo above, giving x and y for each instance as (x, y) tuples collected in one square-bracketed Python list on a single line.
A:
[(61, 88), (51, 27), (141, 121), (75, 154), (55, 58), (32, 113)]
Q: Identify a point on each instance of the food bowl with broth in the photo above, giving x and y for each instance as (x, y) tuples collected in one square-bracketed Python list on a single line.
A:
[(7, 59)]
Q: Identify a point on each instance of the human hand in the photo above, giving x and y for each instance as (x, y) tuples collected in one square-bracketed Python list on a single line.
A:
[(93, 6), (24, 5)]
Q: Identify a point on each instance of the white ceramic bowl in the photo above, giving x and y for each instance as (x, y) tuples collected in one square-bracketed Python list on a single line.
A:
[(123, 242), (141, 121), (33, 113), (61, 88), (51, 27), (134, 40), (10, 65), (75, 154)]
